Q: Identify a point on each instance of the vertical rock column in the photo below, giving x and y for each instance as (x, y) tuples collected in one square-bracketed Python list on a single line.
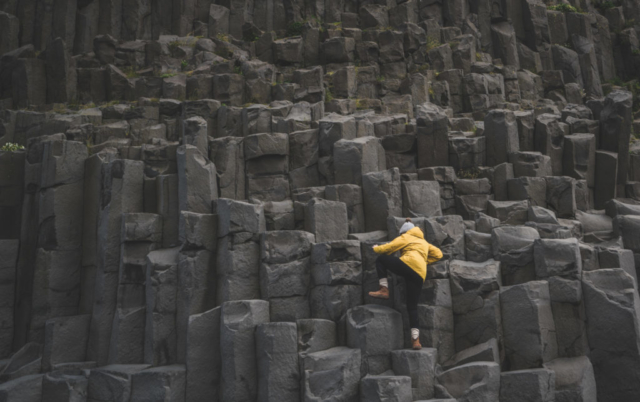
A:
[(8, 260), (121, 192), (559, 262), (336, 276), (278, 369), (615, 132), (141, 233), (160, 339), (196, 280), (267, 166), (612, 308), (476, 302), (239, 320), (203, 356), (57, 276), (285, 273), (238, 251)]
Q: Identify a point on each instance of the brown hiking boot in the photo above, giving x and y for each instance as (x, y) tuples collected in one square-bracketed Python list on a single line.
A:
[(416, 344), (383, 293)]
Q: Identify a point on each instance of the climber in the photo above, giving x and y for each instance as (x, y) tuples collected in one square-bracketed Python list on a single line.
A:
[(412, 266)]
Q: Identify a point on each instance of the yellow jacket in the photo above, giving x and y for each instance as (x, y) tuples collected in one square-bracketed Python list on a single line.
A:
[(416, 252)]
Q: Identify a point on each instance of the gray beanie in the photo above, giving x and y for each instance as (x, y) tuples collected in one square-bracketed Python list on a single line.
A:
[(406, 227)]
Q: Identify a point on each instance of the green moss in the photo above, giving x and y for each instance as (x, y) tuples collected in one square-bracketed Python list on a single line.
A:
[(328, 96), (11, 147), (432, 43), (565, 8), (471, 173)]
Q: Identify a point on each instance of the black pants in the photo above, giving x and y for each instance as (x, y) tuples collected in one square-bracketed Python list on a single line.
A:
[(387, 263)]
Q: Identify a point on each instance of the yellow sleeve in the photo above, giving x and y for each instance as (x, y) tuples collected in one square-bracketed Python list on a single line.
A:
[(391, 247), (434, 254)]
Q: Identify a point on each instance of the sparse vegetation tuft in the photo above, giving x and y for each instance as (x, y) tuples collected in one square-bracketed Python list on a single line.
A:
[(565, 8), (11, 147)]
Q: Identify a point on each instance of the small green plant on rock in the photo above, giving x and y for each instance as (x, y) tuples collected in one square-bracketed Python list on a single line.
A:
[(565, 8), (471, 173), (328, 96), (432, 43), (11, 147), (184, 64)]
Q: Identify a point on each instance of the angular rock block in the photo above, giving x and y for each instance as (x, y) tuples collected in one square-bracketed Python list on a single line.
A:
[(238, 266), (333, 128), (604, 187), (488, 351), (509, 212), (351, 195), (228, 156), (337, 263), (421, 198), (476, 302), (579, 159), (277, 355), (478, 381), (332, 374), (561, 196), (376, 331), (513, 247), (289, 279), (197, 186), (379, 387), (528, 326), (160, 341), (27, 388), (569, 315), (626, 227), (432, 136), (353, 158), (237, 216), (612, 307), (548, 139), (239, 320), (446, 233), (532, 189), (327, 220), (332, 302), (557, 258), (198, 231), (501, 131), (61, 386), (382, 198), (574, 379), (530, 164), (528, 385), (113, 382), (615, 129), (285, 273), (159, 383), (203, 356), (315, 335), (65, 340), (419, 366), (8, 259), (436, 324)]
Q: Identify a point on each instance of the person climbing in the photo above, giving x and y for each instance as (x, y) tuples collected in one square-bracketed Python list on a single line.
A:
[(412, 266)]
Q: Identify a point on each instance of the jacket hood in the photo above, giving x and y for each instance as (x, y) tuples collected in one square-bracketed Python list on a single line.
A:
[(416, 232)]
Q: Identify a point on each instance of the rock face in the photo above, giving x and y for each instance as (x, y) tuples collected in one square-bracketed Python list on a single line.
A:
[(190, 193)]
